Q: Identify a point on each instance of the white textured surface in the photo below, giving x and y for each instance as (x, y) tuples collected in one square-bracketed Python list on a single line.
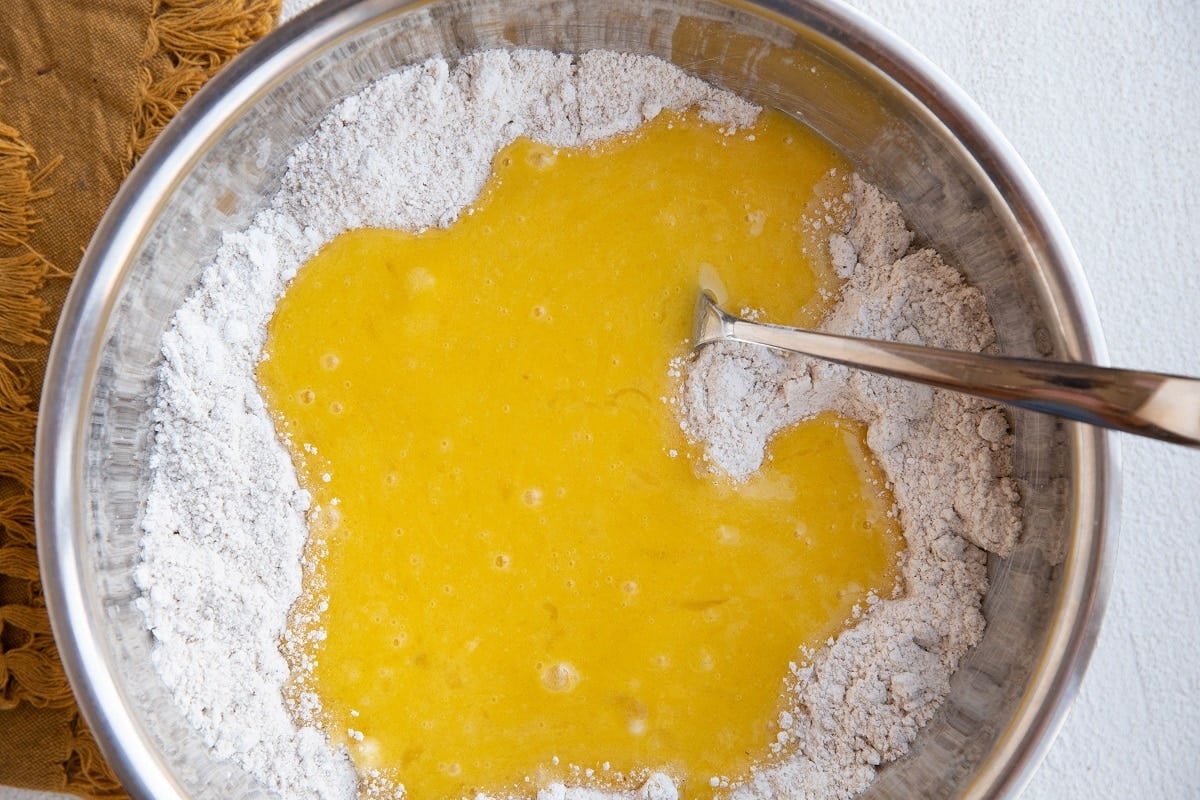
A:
[(1102, 100), (291, 8)]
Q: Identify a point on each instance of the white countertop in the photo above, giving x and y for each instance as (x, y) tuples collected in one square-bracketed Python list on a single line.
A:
[(1102, 101)]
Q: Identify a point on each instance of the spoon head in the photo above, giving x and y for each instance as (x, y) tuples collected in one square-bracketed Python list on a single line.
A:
[(710, 322)]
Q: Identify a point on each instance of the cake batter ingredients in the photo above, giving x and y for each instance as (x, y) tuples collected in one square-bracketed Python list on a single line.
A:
[(863, 698), (222, 555), (524, 569)]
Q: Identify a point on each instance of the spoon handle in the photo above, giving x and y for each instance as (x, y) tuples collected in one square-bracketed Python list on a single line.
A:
[(1149, 404)]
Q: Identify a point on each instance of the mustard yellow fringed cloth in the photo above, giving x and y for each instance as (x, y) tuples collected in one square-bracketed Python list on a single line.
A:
[(85, 86)]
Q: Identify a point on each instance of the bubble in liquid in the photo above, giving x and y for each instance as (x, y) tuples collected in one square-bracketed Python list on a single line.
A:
[(369, 752), (560, 677), (330, 361), (542, 159)]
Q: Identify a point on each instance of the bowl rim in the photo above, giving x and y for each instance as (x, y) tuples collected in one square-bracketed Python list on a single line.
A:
[(75, 612)]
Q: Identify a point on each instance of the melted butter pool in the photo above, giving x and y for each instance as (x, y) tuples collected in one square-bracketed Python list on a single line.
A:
[(525, 564)]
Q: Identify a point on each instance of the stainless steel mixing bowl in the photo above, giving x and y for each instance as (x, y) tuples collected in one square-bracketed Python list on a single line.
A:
[(903, 124)]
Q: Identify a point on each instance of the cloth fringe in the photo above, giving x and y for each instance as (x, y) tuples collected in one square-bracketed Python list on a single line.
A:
[(18, 189), (29, 667), (188, 41), (87, 772)]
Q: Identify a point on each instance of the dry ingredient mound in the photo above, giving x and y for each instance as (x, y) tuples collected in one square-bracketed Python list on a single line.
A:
[(224, 527), (859, 701)]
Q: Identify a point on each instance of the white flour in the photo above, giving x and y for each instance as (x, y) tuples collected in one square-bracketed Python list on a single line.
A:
[(861, 700), (224, 530)]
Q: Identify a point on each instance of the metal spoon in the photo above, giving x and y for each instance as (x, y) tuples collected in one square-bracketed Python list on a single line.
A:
[(1150, 404)]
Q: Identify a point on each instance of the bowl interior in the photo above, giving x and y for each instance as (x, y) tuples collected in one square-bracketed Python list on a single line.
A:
[(223, 159)]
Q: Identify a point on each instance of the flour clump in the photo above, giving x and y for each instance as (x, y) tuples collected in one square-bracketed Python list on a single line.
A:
[(223, 550)]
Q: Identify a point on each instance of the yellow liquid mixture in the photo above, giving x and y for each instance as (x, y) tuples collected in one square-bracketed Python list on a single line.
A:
[(526, 565)]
